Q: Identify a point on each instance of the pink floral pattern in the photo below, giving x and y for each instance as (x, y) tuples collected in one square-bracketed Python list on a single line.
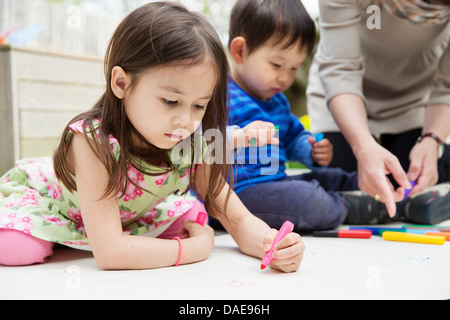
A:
[(17, 221), (54, 219), (126, 216), (159, 180), (75, 215), (78, 127), (148, 217), (29, 198), (75, 243), (179, 207), (54, 190), (132, 191)]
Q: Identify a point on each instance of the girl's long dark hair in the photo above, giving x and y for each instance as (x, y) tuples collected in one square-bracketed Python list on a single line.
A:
[(156, 34)]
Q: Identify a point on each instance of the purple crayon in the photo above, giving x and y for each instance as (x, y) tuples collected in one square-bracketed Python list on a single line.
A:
[(407, 191)]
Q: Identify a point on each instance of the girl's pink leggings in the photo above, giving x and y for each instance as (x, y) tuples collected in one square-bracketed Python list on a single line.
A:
[(20, 249)]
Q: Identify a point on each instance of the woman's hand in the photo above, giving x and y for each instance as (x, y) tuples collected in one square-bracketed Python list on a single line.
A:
[(374, 161), (288, 253), (374, 164), (423, 165)]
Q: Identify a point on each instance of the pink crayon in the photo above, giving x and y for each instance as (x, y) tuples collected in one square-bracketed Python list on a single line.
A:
[(201, 218), (286, 228)]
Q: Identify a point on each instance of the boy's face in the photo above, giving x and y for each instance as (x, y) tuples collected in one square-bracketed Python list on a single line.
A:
[(269, 69)]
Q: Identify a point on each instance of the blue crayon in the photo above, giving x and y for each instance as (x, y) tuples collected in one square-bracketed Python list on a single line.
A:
[(318, 137), (376, 230), (419, 231)]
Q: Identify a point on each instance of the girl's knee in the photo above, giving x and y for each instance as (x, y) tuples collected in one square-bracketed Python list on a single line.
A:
[(19, 249)]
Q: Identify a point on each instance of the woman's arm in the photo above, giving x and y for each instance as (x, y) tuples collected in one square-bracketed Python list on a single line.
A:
[(374, 161), (112, 249), (341, 70), (424, 155)]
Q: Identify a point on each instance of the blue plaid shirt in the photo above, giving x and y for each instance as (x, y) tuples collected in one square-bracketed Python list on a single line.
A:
[(255, 165)]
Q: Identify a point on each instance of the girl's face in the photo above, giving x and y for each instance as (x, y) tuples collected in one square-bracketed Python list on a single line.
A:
[(269, 69), (168, 103)]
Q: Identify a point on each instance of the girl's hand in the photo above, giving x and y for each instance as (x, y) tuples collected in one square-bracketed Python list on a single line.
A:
[(322, 151), (204, 235), (261, 132), (192, 229), (288, 253)]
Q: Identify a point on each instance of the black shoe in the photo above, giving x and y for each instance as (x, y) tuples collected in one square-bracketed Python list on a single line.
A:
[(363, 209), (431, 206)]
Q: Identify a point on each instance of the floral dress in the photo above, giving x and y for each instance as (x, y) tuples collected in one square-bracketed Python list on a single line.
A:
[(33, 201)]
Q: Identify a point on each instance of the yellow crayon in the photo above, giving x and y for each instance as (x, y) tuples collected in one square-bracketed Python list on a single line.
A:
[(411, 237)]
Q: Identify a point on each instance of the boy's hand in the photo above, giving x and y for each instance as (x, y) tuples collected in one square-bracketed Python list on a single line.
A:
[(288, 253), (257, 133), (322, 151)]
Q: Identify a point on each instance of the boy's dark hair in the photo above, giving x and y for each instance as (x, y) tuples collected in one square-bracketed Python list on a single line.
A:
[(260, 20)]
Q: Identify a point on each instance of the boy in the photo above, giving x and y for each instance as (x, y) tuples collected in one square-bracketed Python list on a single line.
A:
[(269, 40)]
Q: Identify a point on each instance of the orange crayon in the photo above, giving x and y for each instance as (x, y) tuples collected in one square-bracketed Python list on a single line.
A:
[(437, 233)]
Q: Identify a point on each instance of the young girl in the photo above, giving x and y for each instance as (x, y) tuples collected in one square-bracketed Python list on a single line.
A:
[(113, 176)]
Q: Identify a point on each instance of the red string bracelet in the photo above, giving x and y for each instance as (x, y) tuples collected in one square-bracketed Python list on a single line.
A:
[(181, 251)]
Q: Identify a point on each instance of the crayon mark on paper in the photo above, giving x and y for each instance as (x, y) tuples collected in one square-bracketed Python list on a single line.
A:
[(236, 283)]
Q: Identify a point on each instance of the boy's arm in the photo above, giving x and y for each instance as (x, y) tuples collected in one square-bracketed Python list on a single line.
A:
[(298, 148)]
